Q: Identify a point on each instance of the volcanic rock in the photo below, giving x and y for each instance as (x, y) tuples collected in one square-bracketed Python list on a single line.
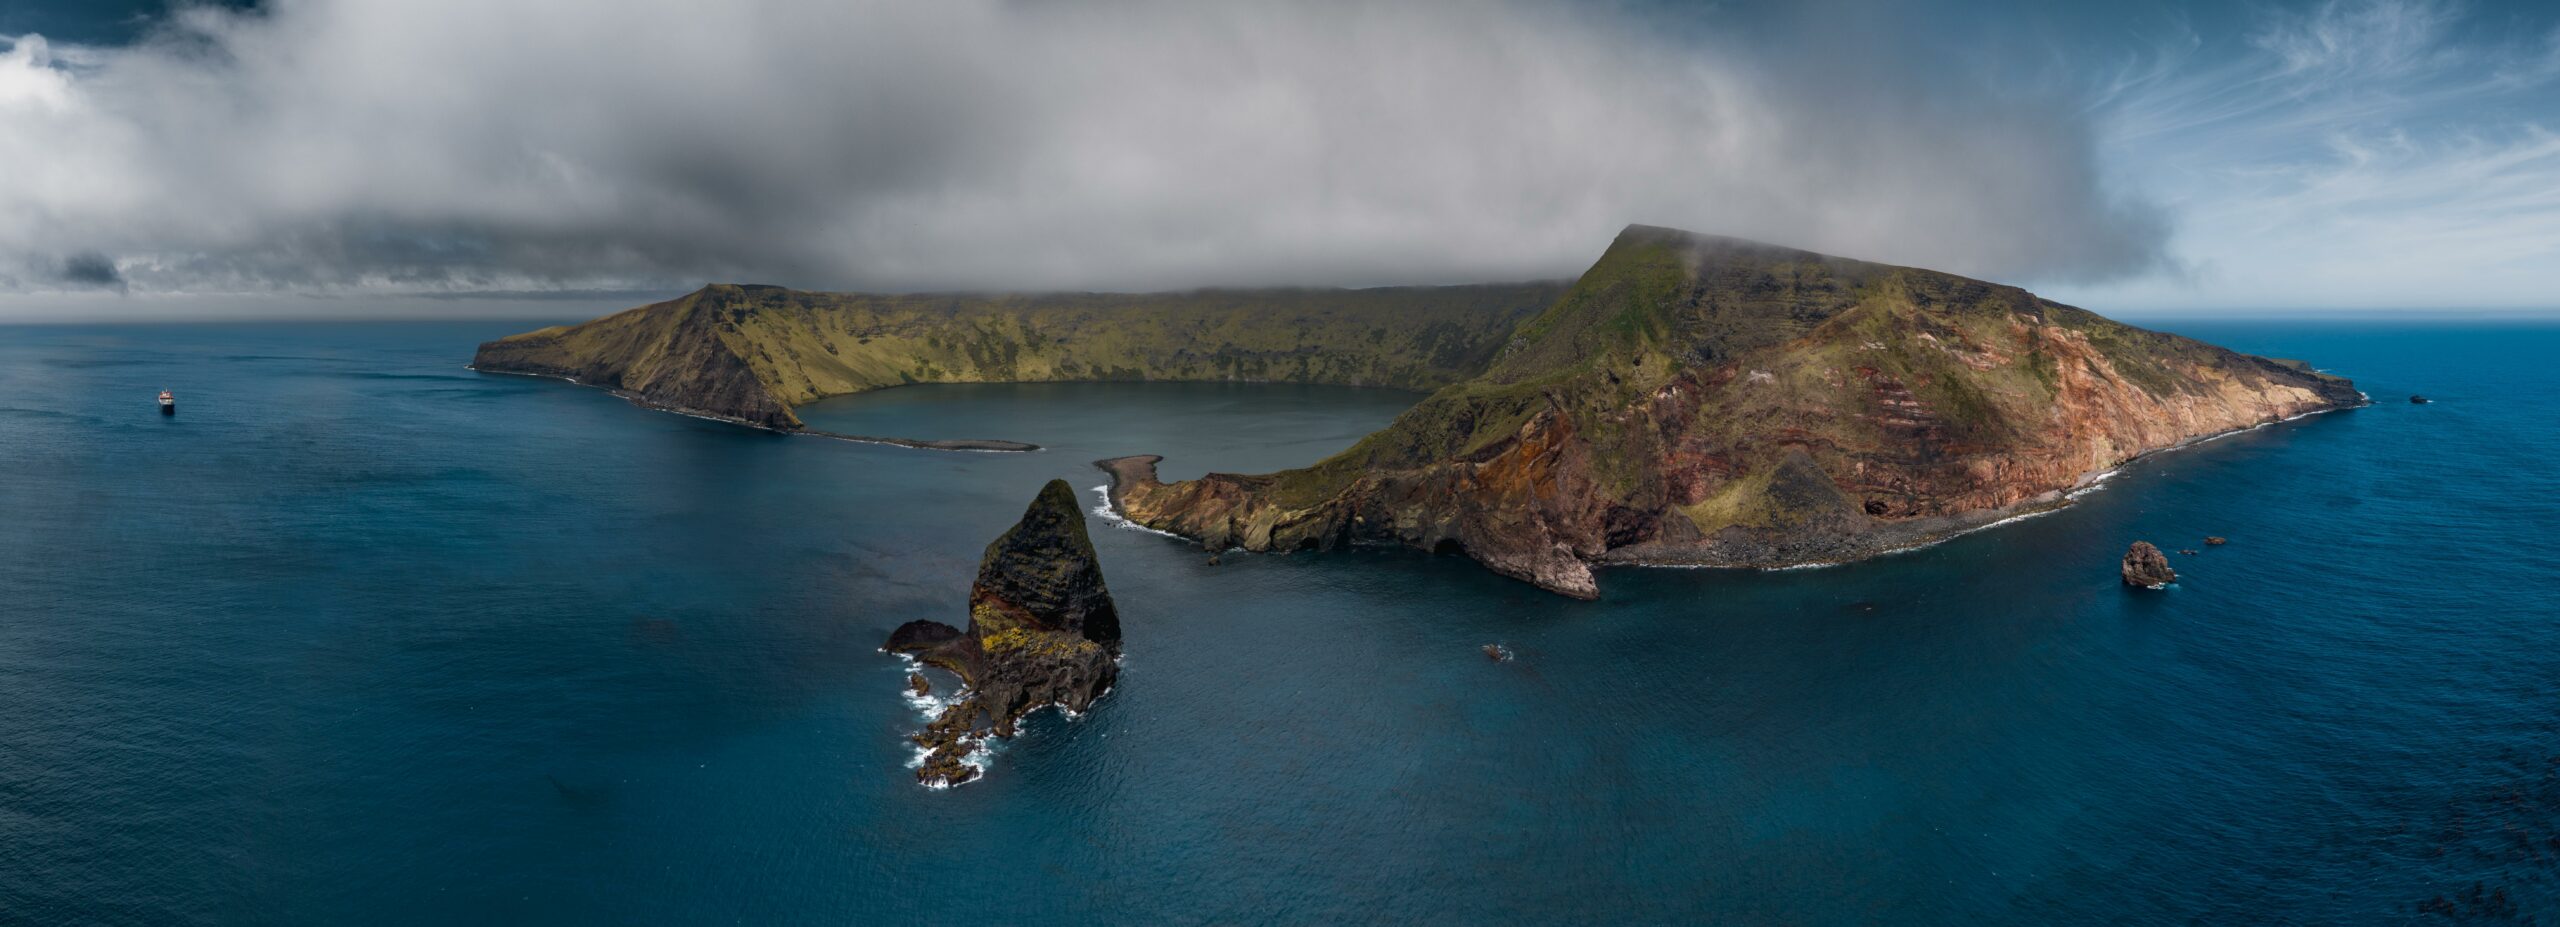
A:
[(2215, 540), (1042, 632), (919, 635), (2145, 566)]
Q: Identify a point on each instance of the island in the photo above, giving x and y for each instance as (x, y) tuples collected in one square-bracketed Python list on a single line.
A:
[(1690, 400), (1042, 632), (1707, 401)]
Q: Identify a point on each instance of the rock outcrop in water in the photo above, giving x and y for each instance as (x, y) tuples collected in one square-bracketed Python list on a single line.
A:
[(1042, 631), (2146, 567), (1709, 401)]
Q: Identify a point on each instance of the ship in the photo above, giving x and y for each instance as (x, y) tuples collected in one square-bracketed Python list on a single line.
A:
[(168, 403)]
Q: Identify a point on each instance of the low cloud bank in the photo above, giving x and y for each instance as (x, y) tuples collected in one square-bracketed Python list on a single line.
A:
[(469, 145)]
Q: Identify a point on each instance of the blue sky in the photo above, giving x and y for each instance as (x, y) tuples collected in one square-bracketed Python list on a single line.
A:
[(2206, 157)]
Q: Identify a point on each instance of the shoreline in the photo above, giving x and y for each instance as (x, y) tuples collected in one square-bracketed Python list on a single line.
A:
[(977, 445), (1123, 470), (2043, 504)]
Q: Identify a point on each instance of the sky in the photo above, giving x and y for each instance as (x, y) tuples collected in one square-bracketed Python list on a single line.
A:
[(486, 157)]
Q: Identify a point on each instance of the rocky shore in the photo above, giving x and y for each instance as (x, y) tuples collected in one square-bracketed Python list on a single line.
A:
[(1042, 632)]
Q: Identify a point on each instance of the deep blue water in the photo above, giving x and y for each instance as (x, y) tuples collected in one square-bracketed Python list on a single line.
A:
[(361, 636)]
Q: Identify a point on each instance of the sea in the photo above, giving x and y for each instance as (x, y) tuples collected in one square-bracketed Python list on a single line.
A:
[(361, 636)]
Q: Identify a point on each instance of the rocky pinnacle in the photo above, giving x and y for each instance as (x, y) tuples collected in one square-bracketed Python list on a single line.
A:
[(1042, 632)]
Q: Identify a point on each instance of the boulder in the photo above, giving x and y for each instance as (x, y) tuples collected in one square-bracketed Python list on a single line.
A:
[(2146, 567)]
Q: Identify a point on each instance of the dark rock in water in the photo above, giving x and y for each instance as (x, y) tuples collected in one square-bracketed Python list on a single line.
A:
[(919, 635), (2419, 400), (1497, 653), (2147, 567), (2189, 551), (948, 741), (1213, 560), (917, 685), (1042, 631), (2215, 541)]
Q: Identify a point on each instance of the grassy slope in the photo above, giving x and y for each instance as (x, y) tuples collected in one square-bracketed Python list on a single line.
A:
[(1695, 367), (802, 346)]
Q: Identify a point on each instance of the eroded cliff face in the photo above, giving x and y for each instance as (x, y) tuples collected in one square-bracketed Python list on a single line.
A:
[(1042, 631), (751, 353), (669, 355), (1710, 401)]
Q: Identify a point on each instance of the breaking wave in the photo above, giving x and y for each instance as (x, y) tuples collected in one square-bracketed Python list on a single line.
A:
[(1104, 511)]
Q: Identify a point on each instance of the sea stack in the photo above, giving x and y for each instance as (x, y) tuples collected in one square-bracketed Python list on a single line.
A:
[(1042, 631), (2146, 567)]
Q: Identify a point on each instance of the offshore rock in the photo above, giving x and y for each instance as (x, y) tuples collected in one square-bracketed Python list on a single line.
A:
[(1707, 401), (2146, 567), (1042, 632)]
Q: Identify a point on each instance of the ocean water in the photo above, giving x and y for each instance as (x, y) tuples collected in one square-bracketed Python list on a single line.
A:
[(361, 636)]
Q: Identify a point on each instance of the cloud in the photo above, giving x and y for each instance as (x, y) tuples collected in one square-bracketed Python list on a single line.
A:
[(91, 271), (2359, 37), (462, 145), (2356, 153)]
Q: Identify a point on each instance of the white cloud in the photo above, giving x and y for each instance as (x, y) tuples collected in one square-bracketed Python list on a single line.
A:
[(2367, 154), (470, 144), (28, 81)]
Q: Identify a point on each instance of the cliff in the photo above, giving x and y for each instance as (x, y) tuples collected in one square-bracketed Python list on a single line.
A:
[(1710, 401), (1042, 631), (751, 353)]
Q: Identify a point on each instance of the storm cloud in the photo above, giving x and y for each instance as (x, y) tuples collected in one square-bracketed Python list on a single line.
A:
[(91, 270), (463, 145)]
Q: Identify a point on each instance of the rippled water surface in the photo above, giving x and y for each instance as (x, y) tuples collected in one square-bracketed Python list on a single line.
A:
[(360, 636)]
